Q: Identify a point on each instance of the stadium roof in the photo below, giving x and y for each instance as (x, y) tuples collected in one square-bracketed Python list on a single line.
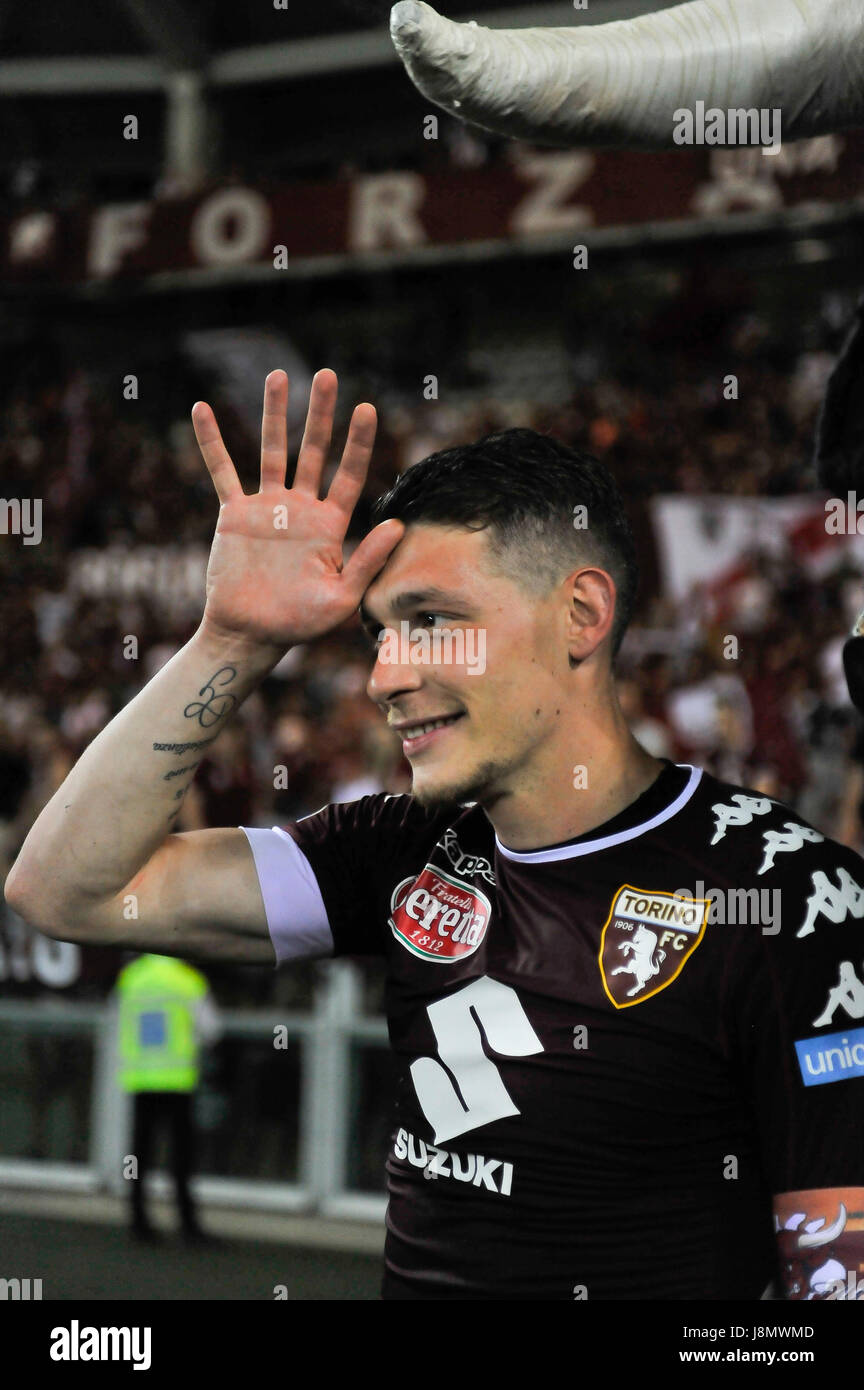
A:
[(247, 91), (56, 47)]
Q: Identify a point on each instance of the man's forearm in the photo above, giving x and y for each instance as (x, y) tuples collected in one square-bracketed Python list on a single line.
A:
[(124, 794)]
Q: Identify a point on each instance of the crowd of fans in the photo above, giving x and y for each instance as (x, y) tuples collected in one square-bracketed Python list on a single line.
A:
[(115, 478)]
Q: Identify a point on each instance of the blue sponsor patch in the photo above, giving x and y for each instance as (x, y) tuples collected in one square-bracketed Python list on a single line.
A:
[(833, 1057), (151, 1029)]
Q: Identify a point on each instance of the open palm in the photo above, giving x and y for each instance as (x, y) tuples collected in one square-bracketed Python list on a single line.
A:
[(276, 571)]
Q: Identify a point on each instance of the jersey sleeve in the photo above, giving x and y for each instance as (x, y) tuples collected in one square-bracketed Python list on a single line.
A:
[(325, 877), (795, 1013)]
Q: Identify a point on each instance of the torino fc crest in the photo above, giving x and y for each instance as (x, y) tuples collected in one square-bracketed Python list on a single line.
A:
[(646, 939)]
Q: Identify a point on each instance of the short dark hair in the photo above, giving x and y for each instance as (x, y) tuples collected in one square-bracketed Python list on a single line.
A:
[(525, 487)]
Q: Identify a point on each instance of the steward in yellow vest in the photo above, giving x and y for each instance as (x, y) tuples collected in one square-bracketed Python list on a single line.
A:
[(159, 998), (164, 1013)]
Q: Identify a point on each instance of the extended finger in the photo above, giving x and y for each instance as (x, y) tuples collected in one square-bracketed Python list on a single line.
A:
[(350, 477), (274, 431), (371, 555), (317, 432), (214, 453)]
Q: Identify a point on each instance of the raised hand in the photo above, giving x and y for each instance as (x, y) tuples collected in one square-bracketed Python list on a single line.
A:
[(276, 573)]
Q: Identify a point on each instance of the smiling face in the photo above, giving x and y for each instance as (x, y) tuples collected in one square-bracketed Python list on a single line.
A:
[(499, 738)]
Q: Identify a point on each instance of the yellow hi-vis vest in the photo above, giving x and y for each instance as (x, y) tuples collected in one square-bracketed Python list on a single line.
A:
[(158, 1044)]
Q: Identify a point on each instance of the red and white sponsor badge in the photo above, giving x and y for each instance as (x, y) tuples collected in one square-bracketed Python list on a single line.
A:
[(437, 917)]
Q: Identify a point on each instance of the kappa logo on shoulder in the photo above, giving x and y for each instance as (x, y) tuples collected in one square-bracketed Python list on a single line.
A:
[(465, 863), (648, 937), (437, 917)]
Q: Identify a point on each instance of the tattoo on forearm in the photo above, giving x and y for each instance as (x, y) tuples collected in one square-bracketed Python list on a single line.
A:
[(214, 704), (218, 703), (181, 748)]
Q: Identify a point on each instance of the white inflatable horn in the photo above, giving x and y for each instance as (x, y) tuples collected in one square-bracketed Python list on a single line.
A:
[(618, 84)]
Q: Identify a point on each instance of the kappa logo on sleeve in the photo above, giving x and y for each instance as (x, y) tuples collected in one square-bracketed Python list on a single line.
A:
[(741, 813), (775, 841), (437, 917), (847, 994), (646, 940), (831, 1057), (834, 902)]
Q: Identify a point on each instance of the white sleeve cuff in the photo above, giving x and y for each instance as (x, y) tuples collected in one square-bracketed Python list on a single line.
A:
[(296, 915)]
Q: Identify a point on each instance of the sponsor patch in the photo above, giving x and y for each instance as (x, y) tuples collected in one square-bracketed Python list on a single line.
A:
[(490, 1173), (151, 1028), (831, 1057), (646, 940), (437, 917)]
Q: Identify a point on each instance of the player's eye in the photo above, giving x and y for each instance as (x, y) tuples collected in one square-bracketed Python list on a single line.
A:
[(419, 620), (429, 618)]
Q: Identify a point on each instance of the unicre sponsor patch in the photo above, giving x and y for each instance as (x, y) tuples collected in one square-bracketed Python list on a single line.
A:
[(831, 1057)]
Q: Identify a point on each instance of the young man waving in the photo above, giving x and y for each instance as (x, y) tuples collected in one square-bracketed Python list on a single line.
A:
[(624, 997)]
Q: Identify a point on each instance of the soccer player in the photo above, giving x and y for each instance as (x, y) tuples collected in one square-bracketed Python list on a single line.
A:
[(625, 998)]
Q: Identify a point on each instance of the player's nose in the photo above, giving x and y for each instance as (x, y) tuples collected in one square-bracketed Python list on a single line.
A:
[(393, 672)]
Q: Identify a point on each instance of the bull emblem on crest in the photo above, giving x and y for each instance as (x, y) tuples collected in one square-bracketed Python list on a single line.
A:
[(643, 958)]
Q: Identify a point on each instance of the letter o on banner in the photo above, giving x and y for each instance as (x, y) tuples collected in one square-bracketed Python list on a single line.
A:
[(56, 963), (231, 227)]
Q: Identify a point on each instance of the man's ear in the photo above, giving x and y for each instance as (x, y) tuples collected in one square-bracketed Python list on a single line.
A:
[(591, 597)]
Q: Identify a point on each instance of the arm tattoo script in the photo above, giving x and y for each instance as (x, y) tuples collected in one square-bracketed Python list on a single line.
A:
[(181, 748), (208, 712)]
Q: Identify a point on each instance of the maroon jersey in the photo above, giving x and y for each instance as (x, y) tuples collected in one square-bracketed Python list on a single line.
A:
[(611, 1052)]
